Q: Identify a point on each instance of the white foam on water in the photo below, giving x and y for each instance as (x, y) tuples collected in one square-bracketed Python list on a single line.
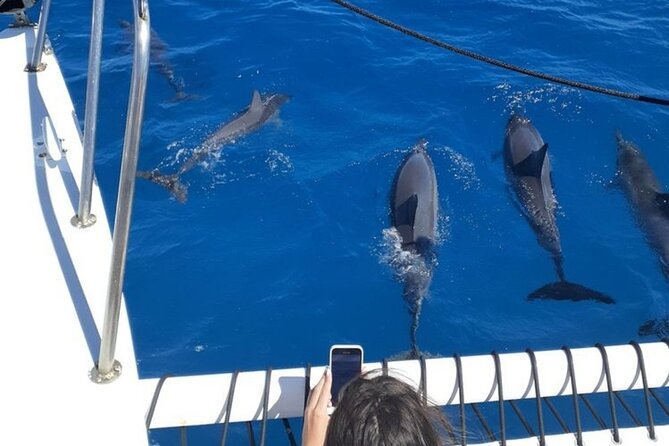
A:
[(561, 100), (461, 168), (278, 162)]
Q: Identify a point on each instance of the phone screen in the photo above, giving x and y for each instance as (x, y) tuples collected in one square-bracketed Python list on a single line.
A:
[(346, 364)]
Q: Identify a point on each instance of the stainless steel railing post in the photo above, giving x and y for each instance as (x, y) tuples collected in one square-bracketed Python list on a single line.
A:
[(36, 61), (84, 218), (108, 368)]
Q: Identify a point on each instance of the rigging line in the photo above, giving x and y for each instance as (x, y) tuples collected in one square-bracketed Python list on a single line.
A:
[(500, 63), (154, 400), (461, 397)]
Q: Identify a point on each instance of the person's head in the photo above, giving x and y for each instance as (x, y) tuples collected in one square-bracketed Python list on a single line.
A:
[(383, 411)]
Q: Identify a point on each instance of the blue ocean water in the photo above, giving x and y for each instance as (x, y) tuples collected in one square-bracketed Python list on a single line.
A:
[(279, 251)]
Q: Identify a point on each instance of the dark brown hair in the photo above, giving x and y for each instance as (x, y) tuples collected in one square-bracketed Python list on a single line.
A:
[(384, 411)]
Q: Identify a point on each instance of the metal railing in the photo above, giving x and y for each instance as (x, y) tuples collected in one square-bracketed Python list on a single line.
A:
[(108, 368), (84, 218), (472, 391), (36, 64)]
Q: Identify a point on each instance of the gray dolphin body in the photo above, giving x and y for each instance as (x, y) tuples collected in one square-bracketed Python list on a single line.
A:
[(414, 210), (645, 195), (161, 62), (257, 114), (651, 209), (528, 169)]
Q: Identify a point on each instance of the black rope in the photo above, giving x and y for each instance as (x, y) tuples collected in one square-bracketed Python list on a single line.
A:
[(609, 388), (451, 434), (249, 429), (484, 423), (228, 406), (423, 379), (307, 384), (537, 395), (660, 402), (574, 395), (265, 406), (557, 416), (184, 436), (154, 400), (499, 63), (594, 413), (646, 398), (289, 432), (629, 410), (461, 395), (652, 392), (500, 393), (522, 419)]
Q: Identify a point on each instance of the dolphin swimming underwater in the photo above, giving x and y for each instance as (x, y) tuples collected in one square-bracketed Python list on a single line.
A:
[(414, 209), (160, 60), (258, 113), (650, 206), (528, 169), (645, 195)]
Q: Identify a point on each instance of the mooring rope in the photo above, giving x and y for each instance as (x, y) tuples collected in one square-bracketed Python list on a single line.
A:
[(500, 63)]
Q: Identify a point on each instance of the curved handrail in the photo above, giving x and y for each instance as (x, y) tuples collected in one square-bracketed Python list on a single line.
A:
[(108, 368)]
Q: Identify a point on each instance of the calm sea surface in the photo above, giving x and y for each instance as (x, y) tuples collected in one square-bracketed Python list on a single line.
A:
[(279, 251)]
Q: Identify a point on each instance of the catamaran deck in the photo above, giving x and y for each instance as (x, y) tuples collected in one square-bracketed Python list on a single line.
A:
[(54, 295), (55, 278)]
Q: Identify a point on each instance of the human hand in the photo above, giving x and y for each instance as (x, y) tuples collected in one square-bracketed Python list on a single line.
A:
[(316, 416)]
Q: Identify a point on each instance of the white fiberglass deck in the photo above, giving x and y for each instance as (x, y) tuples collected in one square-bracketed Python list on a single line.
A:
[(55, 277)]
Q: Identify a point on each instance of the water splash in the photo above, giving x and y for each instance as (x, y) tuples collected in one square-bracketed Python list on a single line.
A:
[(414, 271), (559, 99), (278, 163), (461, 168), (407, 265)]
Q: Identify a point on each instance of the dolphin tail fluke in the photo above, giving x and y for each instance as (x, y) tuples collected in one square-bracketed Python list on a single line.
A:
[(171, 182), (564, 290)]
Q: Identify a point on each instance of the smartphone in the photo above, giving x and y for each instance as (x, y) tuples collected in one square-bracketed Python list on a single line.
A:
[(345, 365)]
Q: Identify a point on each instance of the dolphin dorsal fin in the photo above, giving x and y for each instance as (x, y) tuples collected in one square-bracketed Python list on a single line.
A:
[(256, 102), (662, 202), (532, 165), (405, 215)]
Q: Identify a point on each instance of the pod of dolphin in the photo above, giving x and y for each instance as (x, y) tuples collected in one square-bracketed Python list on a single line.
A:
[(414, 206), (414, 209)]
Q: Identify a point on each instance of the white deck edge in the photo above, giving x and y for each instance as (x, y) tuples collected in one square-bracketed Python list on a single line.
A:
[(202, 400), (55, 289)]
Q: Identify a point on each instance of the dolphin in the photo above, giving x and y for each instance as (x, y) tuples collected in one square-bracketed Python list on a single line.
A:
[(650, 206), (528, 170), (645, 195), (258, 113), (161, 62), (414, 210)]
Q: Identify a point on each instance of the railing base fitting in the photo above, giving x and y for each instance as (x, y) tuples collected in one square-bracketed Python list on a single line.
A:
[(106, 378)]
